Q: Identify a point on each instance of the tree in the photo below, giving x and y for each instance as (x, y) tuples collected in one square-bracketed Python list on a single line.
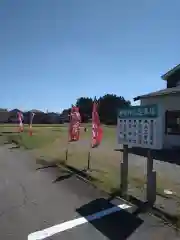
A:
[(64, 116), (108, 107), (85, 108)]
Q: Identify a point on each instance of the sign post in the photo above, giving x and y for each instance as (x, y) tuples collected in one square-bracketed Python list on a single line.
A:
[(140, 126), (151, 180), (124, 172)]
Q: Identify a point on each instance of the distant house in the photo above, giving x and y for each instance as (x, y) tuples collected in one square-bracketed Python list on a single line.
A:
[(4, 115), (168, 100), (39, 117)]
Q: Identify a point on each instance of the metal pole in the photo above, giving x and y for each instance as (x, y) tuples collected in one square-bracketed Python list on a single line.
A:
[(151, 180), (89, 159), (66, 154), (124, 172), (68, 141)]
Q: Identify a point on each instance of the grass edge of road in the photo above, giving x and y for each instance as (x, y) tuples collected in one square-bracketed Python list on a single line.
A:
[(102, 182), (168, 218)]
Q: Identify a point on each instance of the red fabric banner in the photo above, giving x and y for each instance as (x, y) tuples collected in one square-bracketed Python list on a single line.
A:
[(74, 125), (20, 119), (96, 127)]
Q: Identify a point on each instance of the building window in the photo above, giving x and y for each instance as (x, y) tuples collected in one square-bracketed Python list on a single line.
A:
[(172, 123)]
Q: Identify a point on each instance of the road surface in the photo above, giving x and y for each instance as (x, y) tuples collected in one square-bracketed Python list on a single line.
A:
[(52, 204)]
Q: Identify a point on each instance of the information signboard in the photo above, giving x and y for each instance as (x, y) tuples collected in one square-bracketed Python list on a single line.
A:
[(140, 126)]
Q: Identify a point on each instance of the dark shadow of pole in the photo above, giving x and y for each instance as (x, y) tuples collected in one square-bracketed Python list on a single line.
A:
[(118, 225)]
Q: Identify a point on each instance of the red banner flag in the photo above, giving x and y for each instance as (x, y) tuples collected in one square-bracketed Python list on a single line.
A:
[(96, 127), (74, 125), (20, 119)]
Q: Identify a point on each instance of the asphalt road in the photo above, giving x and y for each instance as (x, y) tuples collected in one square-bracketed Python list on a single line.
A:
[(61, 206)]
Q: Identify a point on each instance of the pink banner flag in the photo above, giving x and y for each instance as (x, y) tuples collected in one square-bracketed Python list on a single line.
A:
[(74, 124), (96, 127), (20, 120)]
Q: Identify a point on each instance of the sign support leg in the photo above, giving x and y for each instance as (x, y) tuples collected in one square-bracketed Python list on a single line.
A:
[(124, 172), (151, 180), (89, 159)]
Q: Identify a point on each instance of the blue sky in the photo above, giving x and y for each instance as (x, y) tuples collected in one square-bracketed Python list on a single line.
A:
[(54, 51)]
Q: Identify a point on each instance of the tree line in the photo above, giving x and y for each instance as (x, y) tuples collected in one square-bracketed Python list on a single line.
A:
[(108, 106)]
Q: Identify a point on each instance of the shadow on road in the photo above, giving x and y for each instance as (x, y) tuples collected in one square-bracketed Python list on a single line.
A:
[(70, 173), (65, 171), (97, 170), (47, 166), (14, 147), (8, 132), (144, 207), (63, 177), (79, 173), (116, 226)]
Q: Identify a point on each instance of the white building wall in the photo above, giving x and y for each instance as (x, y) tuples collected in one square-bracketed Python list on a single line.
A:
[(166, 103)]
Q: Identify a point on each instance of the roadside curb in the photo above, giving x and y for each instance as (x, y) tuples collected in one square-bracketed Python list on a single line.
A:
[(166, 217), (83, 175)]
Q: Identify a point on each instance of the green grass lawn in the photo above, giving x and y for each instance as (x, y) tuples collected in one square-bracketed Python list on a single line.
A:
[(49, 143), (42, 135)]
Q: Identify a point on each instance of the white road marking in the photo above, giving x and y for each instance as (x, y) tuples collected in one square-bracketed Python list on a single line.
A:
[(48, 232)]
